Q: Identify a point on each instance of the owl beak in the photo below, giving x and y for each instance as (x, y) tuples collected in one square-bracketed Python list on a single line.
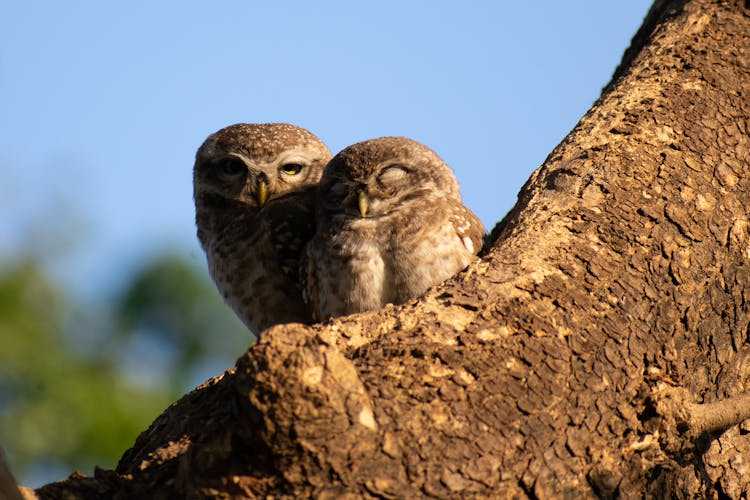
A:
[(364, 203), (261, 192)]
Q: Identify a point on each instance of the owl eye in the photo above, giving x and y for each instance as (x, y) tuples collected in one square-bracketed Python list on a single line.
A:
[(339, 189), (232, 167), (391, 174), (291, 168)]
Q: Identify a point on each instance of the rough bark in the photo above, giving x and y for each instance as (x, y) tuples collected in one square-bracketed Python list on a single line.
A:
[(599, 349)]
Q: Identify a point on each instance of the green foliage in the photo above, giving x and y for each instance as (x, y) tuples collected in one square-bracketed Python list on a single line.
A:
[(181, 310), (78, 398)]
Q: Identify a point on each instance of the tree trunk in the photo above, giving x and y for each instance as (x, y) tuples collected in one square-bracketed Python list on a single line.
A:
[(599, 349)]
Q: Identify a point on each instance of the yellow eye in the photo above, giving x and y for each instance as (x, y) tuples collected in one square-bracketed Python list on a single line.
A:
[(291, 168)]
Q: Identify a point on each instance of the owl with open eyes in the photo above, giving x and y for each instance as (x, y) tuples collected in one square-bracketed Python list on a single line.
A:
[(390, 224), (254, 189)]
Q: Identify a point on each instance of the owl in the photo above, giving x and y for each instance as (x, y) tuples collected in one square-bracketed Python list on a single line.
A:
[(390, 224), (254, 190)]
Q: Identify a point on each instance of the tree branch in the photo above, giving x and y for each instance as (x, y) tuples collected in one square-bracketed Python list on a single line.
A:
[(529, 374)]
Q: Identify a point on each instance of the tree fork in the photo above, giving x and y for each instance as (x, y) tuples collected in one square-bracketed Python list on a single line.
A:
[(619, 280)]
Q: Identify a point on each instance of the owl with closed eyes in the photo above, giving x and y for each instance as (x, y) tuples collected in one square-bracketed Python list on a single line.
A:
[(254, 190), (390, 225)]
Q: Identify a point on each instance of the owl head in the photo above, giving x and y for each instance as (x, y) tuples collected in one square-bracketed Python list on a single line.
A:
[(375, 178), (248, 165)]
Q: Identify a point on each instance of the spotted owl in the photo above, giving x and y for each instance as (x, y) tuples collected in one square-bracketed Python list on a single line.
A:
[(390, 224), (254, 189)]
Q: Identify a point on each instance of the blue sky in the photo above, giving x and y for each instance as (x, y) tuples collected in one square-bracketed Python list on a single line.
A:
[(103, 104)]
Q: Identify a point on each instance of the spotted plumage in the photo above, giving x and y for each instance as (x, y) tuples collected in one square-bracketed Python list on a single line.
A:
[(254, 189), (390, 224)]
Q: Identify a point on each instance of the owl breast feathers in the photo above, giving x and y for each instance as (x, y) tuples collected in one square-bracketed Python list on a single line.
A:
[(390, 224)]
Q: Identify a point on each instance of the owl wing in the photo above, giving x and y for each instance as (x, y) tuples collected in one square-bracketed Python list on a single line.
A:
[(291, 221), (308, 283), (468, 227)]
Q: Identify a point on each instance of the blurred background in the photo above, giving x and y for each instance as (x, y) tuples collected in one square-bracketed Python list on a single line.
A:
[(106, 311)]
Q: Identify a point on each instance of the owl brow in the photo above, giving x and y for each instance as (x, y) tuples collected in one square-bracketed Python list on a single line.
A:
[(340, 174), (296, 156), (235, 156)]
